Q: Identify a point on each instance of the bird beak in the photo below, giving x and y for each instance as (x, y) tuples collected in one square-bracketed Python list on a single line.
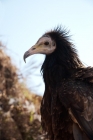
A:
[(33, 50)]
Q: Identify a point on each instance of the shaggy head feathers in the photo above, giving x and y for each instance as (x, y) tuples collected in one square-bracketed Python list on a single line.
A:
[(65, 53)]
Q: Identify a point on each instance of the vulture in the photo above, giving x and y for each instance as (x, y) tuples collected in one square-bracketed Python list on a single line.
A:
[(67, 103)]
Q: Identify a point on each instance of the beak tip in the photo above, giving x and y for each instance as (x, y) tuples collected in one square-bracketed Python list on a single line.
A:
[(26, 54), (24, 59)]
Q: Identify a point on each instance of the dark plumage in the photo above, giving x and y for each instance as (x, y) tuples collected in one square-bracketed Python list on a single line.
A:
[(67, 104)]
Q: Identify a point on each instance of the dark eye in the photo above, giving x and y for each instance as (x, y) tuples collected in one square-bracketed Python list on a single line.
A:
[(46, 43)]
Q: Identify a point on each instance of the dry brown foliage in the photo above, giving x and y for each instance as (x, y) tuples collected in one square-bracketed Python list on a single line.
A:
[(19, 108)]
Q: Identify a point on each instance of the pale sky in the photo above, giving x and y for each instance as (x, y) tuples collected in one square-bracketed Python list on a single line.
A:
[(22, 22)]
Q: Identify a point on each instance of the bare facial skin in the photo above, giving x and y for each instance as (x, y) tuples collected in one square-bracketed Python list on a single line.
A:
[(45, 45)]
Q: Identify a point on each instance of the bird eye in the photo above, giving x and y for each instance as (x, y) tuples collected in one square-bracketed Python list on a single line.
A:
[(46, 43)]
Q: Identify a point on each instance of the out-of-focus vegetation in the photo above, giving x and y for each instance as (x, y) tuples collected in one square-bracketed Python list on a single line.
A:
[(19, 108)]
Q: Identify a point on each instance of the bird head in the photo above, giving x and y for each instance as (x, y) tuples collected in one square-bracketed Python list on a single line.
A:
[(45, 45), (56, 44)]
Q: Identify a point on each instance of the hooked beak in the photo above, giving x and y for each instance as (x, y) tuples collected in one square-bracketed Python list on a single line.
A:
[(41, 48), (33, 50)]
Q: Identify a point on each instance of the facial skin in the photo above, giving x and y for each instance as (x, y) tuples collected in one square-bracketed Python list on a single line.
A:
[(45, 45)]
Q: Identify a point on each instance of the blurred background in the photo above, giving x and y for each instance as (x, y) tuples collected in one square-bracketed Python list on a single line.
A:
[(22, 22)]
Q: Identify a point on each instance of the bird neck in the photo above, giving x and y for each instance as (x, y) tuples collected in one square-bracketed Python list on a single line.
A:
[(55, 69)]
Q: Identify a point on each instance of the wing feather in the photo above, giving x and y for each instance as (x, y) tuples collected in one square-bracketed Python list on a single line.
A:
[(77, 95), (87, 126), (85, 74)]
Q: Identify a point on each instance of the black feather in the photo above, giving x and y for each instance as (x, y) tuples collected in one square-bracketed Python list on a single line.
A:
[(67, 86)]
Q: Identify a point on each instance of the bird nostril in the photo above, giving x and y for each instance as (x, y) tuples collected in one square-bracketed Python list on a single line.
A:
[(33, 48)]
